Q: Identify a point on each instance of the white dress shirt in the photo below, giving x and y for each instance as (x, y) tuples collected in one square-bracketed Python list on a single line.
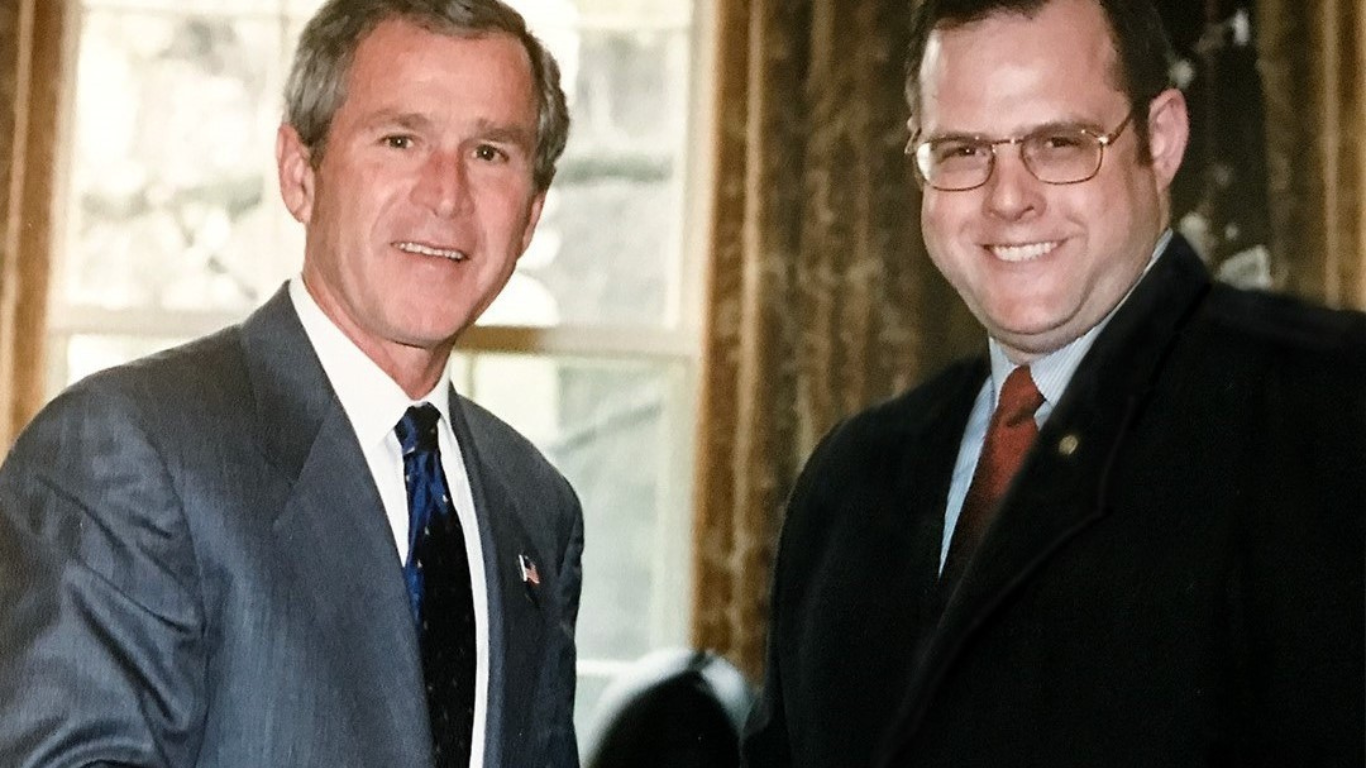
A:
[(374, 404)]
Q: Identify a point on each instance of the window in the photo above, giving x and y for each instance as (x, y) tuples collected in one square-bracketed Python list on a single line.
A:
[(173, 227)]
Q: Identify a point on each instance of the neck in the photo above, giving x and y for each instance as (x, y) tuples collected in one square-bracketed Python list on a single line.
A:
[(414, 369)]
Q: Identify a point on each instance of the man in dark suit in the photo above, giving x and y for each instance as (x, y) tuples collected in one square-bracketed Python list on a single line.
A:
[(1130, 535), (292, 543)]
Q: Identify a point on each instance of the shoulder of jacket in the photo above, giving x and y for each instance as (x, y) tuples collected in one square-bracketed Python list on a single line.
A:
[(1285, 326)]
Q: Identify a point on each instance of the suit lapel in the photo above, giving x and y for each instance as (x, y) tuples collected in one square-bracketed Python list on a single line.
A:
[(332, 537), (516, 623), (929, 456), (1061, 488)]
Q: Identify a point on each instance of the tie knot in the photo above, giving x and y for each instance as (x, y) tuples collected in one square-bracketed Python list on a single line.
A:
[(417, 429), (1019, 397)]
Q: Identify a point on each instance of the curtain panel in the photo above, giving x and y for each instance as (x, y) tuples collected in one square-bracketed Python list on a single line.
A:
[(821, 299), (1312, 58), (32, 75)]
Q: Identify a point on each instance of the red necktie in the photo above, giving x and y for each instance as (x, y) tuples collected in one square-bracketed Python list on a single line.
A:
[(1009, 436)]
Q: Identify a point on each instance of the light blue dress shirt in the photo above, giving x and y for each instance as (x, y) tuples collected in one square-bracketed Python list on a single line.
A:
[(1051, 374)]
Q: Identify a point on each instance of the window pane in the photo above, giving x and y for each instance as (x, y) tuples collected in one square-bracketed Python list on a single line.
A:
[(608, 247), (586, 697), (620, 431), (86, 354), (170, 209)]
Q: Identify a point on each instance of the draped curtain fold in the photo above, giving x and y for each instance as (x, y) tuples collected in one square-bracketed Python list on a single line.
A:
[(1312, 58), (821, 298), (32, 76)]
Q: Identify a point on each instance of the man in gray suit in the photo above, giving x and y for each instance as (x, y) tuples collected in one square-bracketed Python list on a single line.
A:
[(291, 543)]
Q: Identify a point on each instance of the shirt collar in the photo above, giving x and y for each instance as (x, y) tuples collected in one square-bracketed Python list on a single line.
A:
[(372, 401), (1052, 372)]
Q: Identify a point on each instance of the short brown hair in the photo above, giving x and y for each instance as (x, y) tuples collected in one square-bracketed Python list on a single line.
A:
[(1144, 52)]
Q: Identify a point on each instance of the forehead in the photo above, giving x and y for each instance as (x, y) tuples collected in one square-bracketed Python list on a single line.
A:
[(1009, 72), (401, 64)]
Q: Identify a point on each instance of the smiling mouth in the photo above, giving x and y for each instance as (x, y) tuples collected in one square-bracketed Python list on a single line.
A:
[(1024, 252), (427, 250)]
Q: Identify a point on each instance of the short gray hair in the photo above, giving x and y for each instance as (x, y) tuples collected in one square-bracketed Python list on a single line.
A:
[(327, 48)]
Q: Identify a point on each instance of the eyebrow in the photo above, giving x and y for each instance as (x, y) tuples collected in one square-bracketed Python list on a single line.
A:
[(1051, 125), (387, 118), (490, 131), (507, 134)]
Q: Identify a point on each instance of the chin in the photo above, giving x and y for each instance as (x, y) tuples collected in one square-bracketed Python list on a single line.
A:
[(1036, 338), (427, 335)]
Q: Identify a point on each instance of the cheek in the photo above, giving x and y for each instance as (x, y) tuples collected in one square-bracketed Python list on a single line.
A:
[(336, 210), (1105, 205), (944, 215), (931, 214), (363, 188), (943, 228), (512, 204)]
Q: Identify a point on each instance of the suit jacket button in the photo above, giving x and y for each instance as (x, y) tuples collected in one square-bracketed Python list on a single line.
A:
[(1068, 445)]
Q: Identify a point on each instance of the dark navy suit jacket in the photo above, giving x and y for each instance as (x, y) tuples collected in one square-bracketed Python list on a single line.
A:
[(1175, 577)]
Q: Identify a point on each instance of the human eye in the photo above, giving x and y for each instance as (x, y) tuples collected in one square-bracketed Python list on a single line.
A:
[(1062, 155), (1060, 141), (398, 141), (490, 153), (958, 150)]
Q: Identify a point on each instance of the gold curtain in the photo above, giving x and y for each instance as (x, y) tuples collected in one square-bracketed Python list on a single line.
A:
[(31, 78), (1313, 62), (821, 300)]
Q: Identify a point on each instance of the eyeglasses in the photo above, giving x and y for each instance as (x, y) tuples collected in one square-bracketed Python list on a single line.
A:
[(1055, 154)]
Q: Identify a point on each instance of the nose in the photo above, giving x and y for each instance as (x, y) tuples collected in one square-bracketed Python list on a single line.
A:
[(442, 184), (1012, 191)]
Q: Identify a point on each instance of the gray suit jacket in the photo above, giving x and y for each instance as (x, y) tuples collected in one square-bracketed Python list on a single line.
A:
[(195, 570)]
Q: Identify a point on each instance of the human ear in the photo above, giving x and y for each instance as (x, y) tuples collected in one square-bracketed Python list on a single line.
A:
[(297, 178), (533, 216), (1168, 132)]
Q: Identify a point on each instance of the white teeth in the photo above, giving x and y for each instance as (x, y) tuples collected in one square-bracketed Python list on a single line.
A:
[(1028, 252), (424, 250)]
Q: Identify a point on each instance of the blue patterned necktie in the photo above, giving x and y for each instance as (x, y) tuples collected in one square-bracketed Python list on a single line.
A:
[(437, 570)]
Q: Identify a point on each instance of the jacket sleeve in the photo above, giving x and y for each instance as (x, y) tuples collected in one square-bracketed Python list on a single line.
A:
[(101, 629), (765, 743), (563, 749)]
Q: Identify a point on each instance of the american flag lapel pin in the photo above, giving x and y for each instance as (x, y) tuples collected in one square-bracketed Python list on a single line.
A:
[(529, 573)]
